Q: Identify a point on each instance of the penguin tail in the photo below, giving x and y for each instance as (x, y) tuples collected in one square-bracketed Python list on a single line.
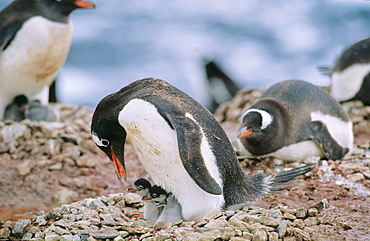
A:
[(281, 180)]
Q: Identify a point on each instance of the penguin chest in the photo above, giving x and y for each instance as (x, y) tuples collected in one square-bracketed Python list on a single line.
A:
[(35, 55), (155, 143), (347, 83)]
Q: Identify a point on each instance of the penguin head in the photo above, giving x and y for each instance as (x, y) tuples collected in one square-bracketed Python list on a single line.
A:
[(141, 186), (62, 7), (108, 134), (258, 128), (157, 194)]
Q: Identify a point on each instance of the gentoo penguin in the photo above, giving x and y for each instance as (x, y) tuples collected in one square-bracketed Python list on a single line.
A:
[(350, 75), (180, 144), (35, 38), (142, 187), (294, 119), (169, 208), (221, 87)]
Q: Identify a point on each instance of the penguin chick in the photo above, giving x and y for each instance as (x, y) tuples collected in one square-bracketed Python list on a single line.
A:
[(166, 205), (35, 38), (350, 75), (292, 120), (142, 187), (179, 143), (16, 110)]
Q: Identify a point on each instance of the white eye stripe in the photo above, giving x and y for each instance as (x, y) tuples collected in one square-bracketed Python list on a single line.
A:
[(266, 117), (98, 141)]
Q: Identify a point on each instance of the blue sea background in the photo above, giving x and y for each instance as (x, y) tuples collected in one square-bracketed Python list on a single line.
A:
[(257, 42)]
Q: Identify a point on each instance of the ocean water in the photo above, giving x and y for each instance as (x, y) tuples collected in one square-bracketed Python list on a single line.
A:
[(257, 43)]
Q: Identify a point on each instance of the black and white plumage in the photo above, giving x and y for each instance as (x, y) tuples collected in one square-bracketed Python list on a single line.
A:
[(142, 187), (294, 119), (180, 144), (350, 76), (35, 38), (165, 205)]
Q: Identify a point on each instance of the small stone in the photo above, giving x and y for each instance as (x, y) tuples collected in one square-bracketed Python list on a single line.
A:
[(20, 226), (160, 225), (289, 216), (312, 212), (346, 226), (52, 237), (259, 235), (274, 213), (132, 199), (273, 236), (301, 213), (56, 166), (124, 234), (322, 205), (27, 236), (267, 221), (24, 168), (366, 174), (215, 224), (4, 233), (40, 220), (281, 229), (227, 233), (287, 210), (66, 237), (104, 235), (118, 238), (229, 213), (64, 196), (356, 177)]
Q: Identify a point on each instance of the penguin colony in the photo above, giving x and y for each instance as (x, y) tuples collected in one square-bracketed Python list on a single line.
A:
[(179, 143), (35, 38)]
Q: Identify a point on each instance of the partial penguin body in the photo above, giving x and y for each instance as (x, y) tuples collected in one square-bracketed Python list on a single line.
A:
[(142, 187), (35, 38), (293, 120), (166, 205), (350, 76), (180, 144)]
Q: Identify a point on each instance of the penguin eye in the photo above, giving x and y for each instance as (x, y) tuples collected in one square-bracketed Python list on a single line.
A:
[(154, 195), (105, 142), (140, 187), (98, 141)]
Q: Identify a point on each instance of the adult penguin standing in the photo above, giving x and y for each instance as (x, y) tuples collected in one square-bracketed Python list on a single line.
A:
[(35, 38), (181, 146)]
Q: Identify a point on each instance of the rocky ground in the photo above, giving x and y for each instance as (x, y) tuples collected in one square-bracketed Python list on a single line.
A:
[(56, 185)]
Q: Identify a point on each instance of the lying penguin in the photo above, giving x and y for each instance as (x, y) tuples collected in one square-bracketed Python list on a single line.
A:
[(181, 146), (165, 204), (292, 120)]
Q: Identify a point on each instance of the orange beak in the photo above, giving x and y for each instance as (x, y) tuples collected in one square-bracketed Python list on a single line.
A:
[(83, 4), (146, 198), (244, 133), (130, 189), (120, 169)]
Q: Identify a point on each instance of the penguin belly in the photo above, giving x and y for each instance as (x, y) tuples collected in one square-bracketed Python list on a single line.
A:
[(293, 152), (155, 143), (346, 84), (33, 59)]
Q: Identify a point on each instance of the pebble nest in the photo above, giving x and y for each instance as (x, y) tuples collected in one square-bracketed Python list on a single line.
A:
[(57, 168)]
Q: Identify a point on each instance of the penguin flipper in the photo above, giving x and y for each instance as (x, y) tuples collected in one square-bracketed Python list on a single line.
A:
[(189, 136), (330, 147)]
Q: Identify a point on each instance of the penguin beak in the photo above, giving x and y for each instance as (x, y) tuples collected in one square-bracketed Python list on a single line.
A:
[(146, 198), (83, 4), (120, 169), (244, 132), (131, 189)]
